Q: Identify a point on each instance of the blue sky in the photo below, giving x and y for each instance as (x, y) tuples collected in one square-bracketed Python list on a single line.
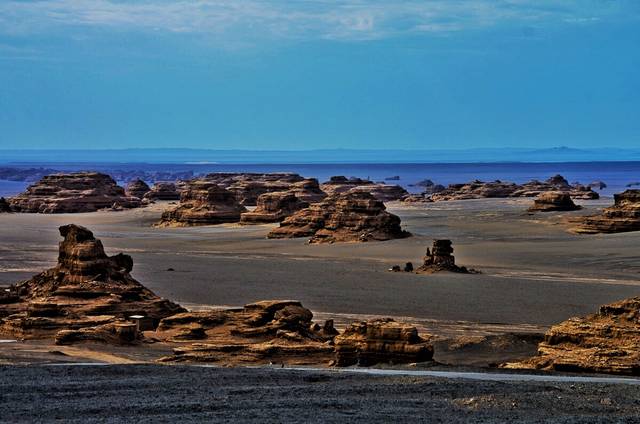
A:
[(303, 74)]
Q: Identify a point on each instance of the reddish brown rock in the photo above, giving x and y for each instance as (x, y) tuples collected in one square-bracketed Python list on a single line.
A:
[(552, 201), (342, 217), (440, 258), (87, 291), (247, 186), (72, 193), (163, 191), (279, 331), (606, 342), (273, 207), (137, 188), (371, 342), (623, 216), (341, 184), (203, 203), (307, 190)]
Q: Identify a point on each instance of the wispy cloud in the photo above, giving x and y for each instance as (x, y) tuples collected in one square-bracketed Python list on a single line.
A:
[(298, 19)]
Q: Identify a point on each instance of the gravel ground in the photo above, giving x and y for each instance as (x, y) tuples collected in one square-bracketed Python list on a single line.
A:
[(155, 393)]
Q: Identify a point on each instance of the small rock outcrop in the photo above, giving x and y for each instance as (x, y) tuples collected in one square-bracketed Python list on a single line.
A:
[(307, 190), (203, 203), (371, 342), (279, 331), (137, 188), (163, 191), (346, 217), (72, 193), (605, 342), (623, 216), (247, 186), (273, 207), (553, 201), (341, 184), (86, 296), (440, 258), (383, 192)]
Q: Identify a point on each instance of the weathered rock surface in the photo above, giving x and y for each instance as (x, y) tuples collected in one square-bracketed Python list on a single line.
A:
[(247, 187), (623, 216), (605, 342), (279, 331), (371, 342), (499, 189), (341, 184), (307, 190), (383, 192), (273, 207), (163, 191), (440, 258), (342, 217), (72, 193), (203, 203), (552, 201), (4, 205), (87, 294), (137, 188)]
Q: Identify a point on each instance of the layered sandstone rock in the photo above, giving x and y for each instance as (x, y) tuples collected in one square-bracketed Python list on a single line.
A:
[(163, 191), (623, 216), (247, 187), (341, 184), (553, 201), (203, 203), (307, 190), (273, 207), (88, 295), (279, 331), (605, 342), (72, 193), (371, 342), (137, 188), (499, 189), (342, 217), (440, 258)]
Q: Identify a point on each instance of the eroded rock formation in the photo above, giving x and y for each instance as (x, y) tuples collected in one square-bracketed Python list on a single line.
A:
[(163, 191), (553, 201), (440, 258), (623, 216), (605, 342), (279, 331), (247, 187), (203, 203), (307, 190), (86, 296), (137, 188), (72, 193), (273, 207), (346, 217), (371, 342), (341, 184), (499, 189)]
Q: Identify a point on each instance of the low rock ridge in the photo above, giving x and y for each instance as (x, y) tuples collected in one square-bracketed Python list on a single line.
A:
[(346, 217), (383, 192), (247, 186), (553, 201), (499, 189), (73, 193), (605, 342), (623, 216), (203, 203), (86, 291)]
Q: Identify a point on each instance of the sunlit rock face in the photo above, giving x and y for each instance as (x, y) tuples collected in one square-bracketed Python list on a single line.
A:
[(203, 203), (137, 188), (553, 201), (85, 291), (346, 217), (273, 207), (248, 186), (604, 342), (72, 193), (623, 216)]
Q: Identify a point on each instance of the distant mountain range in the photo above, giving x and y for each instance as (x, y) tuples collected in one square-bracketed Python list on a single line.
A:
[(199, 156)]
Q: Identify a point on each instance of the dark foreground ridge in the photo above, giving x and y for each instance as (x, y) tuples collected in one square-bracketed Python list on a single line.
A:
[(154, 393)]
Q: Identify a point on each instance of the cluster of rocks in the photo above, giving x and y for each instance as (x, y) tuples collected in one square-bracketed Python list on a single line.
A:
[(247, 187), (91, 297), (71, 193), (499, 189), (273, 207), (605, 342), (346, 217), (203, 203), (438, 258), (553, 201), (163, 191), (86, 296), (623, 216), (381, 191)]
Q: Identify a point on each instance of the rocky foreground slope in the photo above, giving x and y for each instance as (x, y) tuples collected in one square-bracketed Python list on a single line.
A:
[(623, 216), (72, 193), (345, 217), (605, 342)]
